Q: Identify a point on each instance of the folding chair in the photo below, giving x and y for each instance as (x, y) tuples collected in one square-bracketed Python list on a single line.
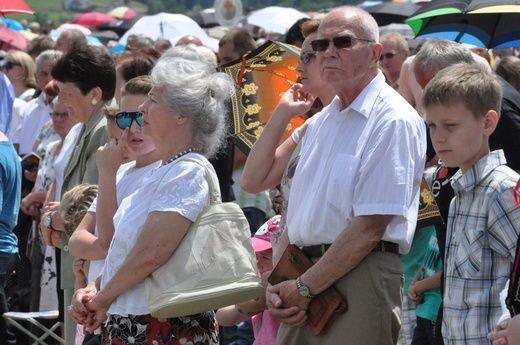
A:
[(32, 317)]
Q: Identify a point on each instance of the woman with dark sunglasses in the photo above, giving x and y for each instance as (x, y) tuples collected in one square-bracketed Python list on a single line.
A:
[(119, 178), (258, 175), (20, 69)]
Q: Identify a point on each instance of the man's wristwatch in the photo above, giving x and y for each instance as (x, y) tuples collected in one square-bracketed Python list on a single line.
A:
[(303, 290), (47, 221)]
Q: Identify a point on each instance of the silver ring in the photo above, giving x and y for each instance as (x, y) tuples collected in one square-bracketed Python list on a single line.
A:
[(70, 307)]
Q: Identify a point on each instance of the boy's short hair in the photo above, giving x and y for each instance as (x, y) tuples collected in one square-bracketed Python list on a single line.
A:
[(75, 204), (476, 89)]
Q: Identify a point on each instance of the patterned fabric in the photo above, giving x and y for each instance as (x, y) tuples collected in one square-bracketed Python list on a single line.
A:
[(408, 321), (47, 135), (483, 228), (198, 329)]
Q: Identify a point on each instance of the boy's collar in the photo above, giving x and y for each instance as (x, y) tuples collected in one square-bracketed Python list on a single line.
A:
[(479, 170)]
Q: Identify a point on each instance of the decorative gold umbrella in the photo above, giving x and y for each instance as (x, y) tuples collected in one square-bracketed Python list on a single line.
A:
[(261, 78)]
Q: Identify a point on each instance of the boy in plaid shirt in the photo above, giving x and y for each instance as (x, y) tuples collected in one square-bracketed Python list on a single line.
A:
[(462, 104)]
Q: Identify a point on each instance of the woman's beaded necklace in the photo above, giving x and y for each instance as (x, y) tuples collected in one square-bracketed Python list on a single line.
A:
[(185, 152)]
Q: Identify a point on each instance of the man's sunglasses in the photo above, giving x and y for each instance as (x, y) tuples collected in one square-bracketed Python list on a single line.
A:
[(307, 57), (339, 42), (389, 55), (124, 119), (8, 65)]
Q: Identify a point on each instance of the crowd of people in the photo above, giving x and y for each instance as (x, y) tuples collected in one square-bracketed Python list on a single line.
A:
[(97, 193)]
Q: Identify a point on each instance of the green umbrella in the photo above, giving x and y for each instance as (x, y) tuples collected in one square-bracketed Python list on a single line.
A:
[(479, 22), (433, 9)]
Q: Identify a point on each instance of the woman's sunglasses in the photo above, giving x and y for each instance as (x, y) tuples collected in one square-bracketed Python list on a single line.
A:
[(124, 119), (339, 42), (388, 55), (8, 65), (306, 57), (30, 163)]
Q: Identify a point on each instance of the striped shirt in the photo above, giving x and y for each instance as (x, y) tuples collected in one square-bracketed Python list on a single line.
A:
[(483, 228)]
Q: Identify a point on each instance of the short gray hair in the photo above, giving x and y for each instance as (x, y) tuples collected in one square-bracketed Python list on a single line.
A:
[(194, 89), (50, 54), (193, 52), (437, 54)]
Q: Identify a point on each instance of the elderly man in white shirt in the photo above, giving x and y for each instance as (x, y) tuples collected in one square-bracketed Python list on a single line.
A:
[(355, 192)]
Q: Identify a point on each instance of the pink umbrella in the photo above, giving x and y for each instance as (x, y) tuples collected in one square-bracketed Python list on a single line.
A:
[(123, 12), (12, 39), (14, 6), (92, 18)]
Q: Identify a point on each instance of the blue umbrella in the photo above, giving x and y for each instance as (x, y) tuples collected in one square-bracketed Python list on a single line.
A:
[(12, 24)]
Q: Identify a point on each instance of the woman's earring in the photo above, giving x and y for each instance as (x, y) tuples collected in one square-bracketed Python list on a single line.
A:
[(93, 101)]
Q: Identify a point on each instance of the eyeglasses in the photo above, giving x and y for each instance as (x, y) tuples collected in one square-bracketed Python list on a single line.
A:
[(9, 64), (63, 115), (339, 42), (389, 55), (307, 57), (125, 118)]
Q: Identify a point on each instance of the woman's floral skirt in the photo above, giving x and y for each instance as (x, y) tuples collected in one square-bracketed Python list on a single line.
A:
[(147, 330)]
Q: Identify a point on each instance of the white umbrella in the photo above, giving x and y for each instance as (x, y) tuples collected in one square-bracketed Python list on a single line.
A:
[(275, 19), (69, 26), (169, 26)]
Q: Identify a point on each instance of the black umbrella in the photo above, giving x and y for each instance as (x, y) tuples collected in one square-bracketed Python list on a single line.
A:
[(119, 26), (105, 36), (392, 12)]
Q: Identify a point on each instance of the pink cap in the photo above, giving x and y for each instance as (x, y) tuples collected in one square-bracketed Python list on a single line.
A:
[(262, 238)]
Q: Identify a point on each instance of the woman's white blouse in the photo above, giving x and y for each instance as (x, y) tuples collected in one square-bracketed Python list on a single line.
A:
[(177, 187)]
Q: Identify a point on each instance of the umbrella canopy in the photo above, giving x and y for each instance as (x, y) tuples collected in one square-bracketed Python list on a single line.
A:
[(261, 77), (434, 9), (123, 12), (14, 6), (92, 18), (204, 19), (119, 26), (475, 22), (483, 30), (28, 34), (275, 19), (12, 39), (392, 12), (12, 24), (169, 26), (105, 36), (69, 26), (493, 6)]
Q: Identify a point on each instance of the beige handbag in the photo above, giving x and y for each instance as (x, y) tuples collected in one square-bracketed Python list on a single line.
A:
[(213, 266)]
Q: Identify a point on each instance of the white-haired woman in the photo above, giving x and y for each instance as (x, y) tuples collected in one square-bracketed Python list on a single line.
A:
[(184, 116)]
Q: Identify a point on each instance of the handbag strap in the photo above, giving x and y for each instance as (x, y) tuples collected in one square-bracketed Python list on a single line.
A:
[(212, 183), (215, 194)]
